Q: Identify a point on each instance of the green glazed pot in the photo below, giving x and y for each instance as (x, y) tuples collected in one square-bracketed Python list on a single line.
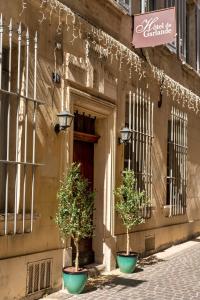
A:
[(127, 263), (75, 282)]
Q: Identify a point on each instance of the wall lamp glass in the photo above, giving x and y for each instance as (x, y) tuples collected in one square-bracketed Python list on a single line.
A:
[(65, 119), (126, 134)]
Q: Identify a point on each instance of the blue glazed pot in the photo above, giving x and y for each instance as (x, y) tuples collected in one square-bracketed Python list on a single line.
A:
[(127, 263), (75, 282)]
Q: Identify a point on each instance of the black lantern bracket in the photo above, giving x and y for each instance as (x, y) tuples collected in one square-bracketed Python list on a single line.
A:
[(65, 119), (126, 134)]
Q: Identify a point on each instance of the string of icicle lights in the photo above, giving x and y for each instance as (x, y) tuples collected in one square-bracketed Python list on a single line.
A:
[(110, 48)]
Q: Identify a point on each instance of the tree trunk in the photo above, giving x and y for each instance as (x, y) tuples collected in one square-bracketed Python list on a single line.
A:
[(76, 243), (128, 242)]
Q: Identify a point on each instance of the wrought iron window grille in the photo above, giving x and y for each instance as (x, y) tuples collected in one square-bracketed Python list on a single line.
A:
[(18, 113), (177, 162), (138, 153)]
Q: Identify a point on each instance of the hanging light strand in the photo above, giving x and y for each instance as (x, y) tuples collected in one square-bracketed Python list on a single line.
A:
[(110, 48)]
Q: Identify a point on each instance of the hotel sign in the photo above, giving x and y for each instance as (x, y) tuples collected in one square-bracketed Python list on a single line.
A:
[(154, 28)]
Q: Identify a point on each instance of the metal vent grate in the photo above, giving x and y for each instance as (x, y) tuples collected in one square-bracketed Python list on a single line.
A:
[(39, 276), (150, 243)]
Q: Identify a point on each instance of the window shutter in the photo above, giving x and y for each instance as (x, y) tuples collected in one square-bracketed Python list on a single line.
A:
[(126, 4), (181, 28), (147, 5)]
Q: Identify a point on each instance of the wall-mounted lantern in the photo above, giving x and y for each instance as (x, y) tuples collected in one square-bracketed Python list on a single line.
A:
[(65, 119), (125, 135)]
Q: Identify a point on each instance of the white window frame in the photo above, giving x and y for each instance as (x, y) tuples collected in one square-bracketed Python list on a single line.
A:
[(138, 152), (177, 162)]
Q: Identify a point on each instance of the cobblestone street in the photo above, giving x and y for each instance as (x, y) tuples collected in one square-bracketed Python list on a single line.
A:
[(171, 276)]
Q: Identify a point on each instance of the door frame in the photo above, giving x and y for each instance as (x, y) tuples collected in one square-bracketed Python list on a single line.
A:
[(104, 244)]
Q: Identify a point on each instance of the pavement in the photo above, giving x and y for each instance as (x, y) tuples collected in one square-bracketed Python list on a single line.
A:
[(172, 274)]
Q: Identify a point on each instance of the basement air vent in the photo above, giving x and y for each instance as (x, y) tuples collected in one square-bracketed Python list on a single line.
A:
[(149, 243), (38, 276)]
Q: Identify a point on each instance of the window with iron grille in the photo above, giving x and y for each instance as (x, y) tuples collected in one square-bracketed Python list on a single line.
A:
[(18, 110), (126, 4), (177, 162), (198, 37), (137, 153), (179, 45)]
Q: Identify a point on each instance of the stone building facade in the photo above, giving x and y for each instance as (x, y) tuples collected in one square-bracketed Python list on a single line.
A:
[(106, 84)]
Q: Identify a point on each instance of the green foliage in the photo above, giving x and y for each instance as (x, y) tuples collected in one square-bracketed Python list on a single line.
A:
[(130, 202), (75, 207)]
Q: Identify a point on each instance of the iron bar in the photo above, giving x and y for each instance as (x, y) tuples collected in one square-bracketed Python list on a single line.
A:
[(8, 125), (14, 162), (143, 162), (177, 162), (182, 154), (142, 165), (34, 126), (146, 142), (186, 143), (17, 96), (133, 128), (17, 128), (150, 150), (177, 165), (170, 153), (181, 164), (140, 139), (174, 164), (26, 130), (130, 128), (137, 137)]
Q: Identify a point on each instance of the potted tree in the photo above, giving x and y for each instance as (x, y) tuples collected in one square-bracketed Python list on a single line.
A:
[(129, 205), (74, 219)]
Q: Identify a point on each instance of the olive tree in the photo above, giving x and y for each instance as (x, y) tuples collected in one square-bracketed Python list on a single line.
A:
[(75, 208), (129, 203)]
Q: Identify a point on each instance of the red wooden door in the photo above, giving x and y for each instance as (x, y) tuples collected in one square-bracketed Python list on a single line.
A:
[(84, 153)]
